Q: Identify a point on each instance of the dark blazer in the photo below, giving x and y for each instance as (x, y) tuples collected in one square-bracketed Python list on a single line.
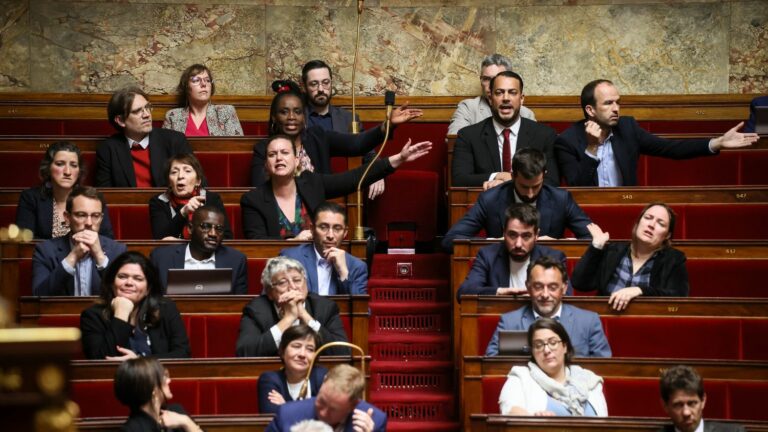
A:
[(166, 221), (35, 212), (320, 145), (584, 329), (48, 275), (669, 277), (490, 270), (357, 279), (340, 117), (476, 151), (140, 421), (628, 143), (259, 206), (291, 413), (710, 426), (752, 122), (101, 338), (172, 257), (259, 315), (114, 165), (276, 380), (557, 211)]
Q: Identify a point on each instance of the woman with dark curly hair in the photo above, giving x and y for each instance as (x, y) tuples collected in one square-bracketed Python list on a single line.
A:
[(196, 115), (132, 318), (41, 209)]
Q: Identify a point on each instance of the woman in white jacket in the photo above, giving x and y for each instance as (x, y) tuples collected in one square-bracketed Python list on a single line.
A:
[(550, 385)]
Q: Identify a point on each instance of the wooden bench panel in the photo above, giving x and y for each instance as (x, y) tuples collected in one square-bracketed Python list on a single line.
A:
[(256, 423), (497, 423)]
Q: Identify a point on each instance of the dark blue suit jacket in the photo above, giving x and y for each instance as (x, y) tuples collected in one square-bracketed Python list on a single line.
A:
[(357, 279), (583, 327), (491, 269), (49, 277), (293, 412), (35, 212), (275, 380), (340, 118), (756, 102), (628, 143), (172, 257), (557, 211)]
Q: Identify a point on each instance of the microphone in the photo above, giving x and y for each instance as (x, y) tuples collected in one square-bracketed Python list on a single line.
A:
[(389, 101)]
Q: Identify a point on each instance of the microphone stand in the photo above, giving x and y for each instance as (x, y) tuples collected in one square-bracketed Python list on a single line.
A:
[(356, 124), (304, 387)]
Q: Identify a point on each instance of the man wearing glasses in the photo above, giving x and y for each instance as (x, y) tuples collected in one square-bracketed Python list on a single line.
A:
[(204, 250), (546, 283), (330, 269), (477, 109), (72, 265), (136, 155)]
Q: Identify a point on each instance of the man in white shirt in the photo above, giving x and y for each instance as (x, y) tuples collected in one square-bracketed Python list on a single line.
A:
[(477, 109), (204, 250)]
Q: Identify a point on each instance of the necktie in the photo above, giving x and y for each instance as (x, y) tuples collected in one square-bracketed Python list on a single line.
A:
[(136, 146), (506, 153)]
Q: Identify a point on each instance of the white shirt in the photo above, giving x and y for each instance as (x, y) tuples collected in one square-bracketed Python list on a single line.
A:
[(277, 334), (518, 272), (144, 143), (555, 315), (700, 428), (191, 263), (514, 130), (294, 389), (324, 271)]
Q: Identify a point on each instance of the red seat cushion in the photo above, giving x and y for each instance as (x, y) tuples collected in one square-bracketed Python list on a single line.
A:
[(410, 196), (96, 399), (745, 221), (726, 277), (486, 325), (213, 335), (130, 222), (754, 341), (622, 396), (718, 170), (255, 268), (747, 401), (491, 390)]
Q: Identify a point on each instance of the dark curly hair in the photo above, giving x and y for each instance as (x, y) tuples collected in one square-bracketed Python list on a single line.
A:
[(283, 88), (149, 307)]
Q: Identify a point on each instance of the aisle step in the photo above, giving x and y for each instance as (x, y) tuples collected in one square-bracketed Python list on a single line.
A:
[(413, 347), (422, 376), (432, 426), (415, 406), (422, 266), (409, 317)]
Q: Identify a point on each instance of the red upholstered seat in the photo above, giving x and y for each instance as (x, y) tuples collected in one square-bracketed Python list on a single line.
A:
[(744, 221), (727, 278), (718, 170), (239, 170), (486, 325), (339, 164), (619, 219), (213, 335), (623, 397), (130, 222), (491, 391), (216, 168), (255, 268), (634, 336), (96, 399), (25, 277), (7, 215), (22, 169), (752, 168), (747, 400), (753, 341), (410, 196), (233, 214)]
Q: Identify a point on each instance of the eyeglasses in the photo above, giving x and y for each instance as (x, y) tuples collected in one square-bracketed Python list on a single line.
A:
[(552, 344), (195, 80), (139, 111), (283, 283), (324, 228), (326, 83), (82, 216), (205, 226)]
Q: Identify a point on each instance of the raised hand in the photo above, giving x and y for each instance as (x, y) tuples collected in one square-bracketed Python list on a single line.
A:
[(599, 238)]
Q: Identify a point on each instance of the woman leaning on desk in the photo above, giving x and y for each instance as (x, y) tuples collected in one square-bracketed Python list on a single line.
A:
[(42, 209), (550, 385), (196, 115), (132, 318), (171, 212), (281, 208), (647, 265)]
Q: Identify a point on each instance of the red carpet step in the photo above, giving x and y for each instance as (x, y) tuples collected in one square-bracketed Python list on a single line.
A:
[(396, 347), (422, 266)]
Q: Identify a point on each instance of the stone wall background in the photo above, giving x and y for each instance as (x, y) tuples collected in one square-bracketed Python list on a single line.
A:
[(646, 47)]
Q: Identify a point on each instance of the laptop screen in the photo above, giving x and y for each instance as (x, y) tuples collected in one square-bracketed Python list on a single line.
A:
[(513, 342), (199, 281)]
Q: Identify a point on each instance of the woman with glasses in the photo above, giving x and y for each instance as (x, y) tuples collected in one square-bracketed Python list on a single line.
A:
[(647, 265), (144, 386), (41, 209), (171, 211), (196, 115), (281, 208), (132, 318), (550, 385), (296, 351), (315, 145)]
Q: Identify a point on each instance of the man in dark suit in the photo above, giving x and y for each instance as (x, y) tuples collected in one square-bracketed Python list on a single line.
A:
[(482, 155), (286, 302), (136, 155), (204, 250), (603, 149), (683, 398), (338, 404), (330, 269), (501, 268), (546, 284), (317, 79), (557, 209), (72, 265)]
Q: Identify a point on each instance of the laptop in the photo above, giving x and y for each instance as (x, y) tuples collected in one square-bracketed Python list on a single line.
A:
[(761, 120), (513, 342), (199, 281)]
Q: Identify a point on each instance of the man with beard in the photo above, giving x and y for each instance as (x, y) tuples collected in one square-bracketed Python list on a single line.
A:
[(557, 209), (482, 155), (317, 78), (603, 149), (330, 269), (204, 250), (546, 283), (500, 269)]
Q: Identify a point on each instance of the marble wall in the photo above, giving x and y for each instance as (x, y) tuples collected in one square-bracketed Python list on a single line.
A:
[(647, 47)]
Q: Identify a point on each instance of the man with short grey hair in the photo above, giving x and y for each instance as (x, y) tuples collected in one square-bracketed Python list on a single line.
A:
[(477, 109)]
